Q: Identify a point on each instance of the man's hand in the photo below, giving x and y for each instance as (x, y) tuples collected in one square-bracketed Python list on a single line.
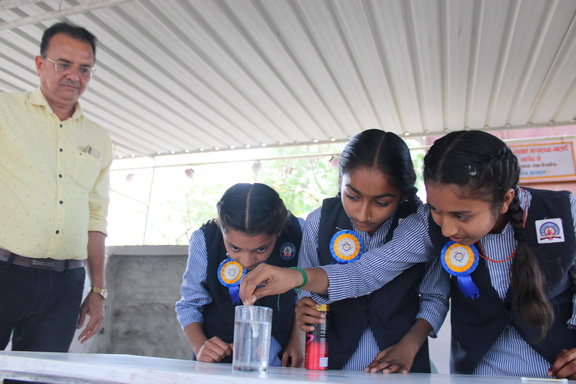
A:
[(93, 307)]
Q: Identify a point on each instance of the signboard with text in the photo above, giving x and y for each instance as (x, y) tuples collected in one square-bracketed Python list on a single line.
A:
[(545, 160)]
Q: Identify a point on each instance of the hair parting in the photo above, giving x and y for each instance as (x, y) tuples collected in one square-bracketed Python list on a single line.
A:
[(386, 152), (252, 209)]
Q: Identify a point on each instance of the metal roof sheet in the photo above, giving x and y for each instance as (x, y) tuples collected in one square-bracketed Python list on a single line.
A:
[(179, 76)]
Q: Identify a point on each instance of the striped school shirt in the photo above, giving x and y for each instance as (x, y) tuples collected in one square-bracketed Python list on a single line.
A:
[(433, 288), (510, 355), (195, 296)]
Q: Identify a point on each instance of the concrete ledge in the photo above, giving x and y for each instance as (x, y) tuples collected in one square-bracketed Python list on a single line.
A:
[(143, 285), (148, 250)]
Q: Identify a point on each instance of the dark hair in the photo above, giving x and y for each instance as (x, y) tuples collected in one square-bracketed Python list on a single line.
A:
[(70, 30), (386, 152), (485, 168), (253, 209)]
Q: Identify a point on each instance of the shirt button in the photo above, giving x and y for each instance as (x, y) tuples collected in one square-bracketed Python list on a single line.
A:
[(57, 232), (61, 150), (61, 202)]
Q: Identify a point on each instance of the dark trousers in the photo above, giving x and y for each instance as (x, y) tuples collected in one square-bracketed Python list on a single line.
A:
[(39, 307)]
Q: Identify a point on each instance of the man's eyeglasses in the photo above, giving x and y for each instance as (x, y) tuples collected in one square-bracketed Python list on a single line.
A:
[(85, 71)]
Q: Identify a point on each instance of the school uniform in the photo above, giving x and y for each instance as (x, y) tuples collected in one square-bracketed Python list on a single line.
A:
[(206, 300), (500, 344), (361, 327), (478, 324)]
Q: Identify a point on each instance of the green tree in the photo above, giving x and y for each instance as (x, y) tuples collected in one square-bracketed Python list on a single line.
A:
[(302, 182), (181, 202)]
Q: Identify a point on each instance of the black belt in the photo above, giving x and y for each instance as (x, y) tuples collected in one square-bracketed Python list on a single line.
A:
[(48, 264)]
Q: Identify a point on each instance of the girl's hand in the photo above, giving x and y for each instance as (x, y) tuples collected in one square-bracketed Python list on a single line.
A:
[(306, 314), (275, 280), (293, 355), (397, 358), (214, 350), (400, 356), (565, 365)]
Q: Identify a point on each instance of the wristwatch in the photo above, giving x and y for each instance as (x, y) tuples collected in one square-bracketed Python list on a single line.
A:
[(101, 291)]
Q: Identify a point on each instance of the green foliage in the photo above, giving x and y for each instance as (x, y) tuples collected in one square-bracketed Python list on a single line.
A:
[(197, 207), (179, 203), (302, 182), (418, 161)]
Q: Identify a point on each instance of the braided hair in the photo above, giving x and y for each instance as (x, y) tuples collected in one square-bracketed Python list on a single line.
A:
[(386, 152), (253, 209), (485, 168)]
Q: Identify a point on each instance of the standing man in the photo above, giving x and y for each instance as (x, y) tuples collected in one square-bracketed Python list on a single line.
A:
[(54, 186)]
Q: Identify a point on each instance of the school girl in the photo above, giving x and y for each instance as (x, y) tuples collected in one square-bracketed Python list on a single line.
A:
[(508, 251), (393, 323), (253, 227)]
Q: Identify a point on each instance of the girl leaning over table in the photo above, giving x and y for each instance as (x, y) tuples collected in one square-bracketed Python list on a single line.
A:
[(508, 251), (253, 227), (392, 324)]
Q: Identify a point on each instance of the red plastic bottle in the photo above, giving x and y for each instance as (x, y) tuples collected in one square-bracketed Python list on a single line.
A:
[(317, 344)]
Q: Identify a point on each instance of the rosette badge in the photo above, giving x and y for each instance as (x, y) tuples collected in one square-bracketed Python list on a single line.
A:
[(460, 261), (346, 246), (230, 273)]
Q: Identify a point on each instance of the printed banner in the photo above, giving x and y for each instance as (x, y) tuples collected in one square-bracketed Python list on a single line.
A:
[(545, 160)]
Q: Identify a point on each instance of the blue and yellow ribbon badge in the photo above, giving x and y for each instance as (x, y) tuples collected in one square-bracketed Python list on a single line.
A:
[(230, 274), (346, 246), (460, 261)]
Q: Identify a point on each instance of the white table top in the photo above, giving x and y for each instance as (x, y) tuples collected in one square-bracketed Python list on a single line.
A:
[(84, 368)]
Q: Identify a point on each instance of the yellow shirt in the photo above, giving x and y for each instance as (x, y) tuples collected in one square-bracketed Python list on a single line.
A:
[(54, 178)]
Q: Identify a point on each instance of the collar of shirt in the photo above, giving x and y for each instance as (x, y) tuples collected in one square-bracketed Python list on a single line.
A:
[(36, 97)]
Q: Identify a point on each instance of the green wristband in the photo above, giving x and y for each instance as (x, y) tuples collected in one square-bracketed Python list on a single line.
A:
[(304, 276)]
